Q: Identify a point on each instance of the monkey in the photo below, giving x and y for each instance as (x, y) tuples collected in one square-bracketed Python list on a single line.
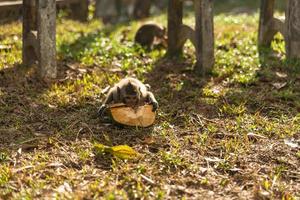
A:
[(131, 92), (150, 33)]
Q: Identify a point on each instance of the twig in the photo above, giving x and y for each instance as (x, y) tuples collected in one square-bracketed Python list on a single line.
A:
[(23, 168), (31, 166), (204, 118), (148, 179)]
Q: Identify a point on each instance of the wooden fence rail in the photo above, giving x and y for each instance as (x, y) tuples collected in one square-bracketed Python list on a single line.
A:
[(39, 31), (12, 9), (202, 35), (290, 28)]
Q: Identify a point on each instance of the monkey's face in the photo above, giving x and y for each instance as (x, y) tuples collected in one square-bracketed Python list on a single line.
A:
[(131, 100), (161, 33), (131, 95)]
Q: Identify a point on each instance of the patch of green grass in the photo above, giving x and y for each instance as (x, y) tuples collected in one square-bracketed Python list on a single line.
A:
[(172, 159), (3, 156), (10, 45), (5, 175), (211, 133)]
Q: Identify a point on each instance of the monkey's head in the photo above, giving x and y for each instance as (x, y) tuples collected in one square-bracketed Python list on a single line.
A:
[(131, 95), (161, 38), (161, 32)]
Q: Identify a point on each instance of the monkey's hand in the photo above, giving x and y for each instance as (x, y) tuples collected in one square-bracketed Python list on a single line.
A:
[(101, 110), (152, 100), (154, 105)]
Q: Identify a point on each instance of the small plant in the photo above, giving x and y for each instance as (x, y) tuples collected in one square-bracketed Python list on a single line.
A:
[(3, 157), (5, 175), (232, 110), (298, 154)]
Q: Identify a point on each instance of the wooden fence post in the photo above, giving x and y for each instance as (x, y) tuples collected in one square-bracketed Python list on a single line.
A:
[(39, 36), (174, 23), (204, 36), (46, 38), (293, 29), (266, 32), (290, 29), (29, 53)]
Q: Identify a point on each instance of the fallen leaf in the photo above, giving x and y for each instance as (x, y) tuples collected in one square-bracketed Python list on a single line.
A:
[(5, 47), (281, 74), (254, 136), (279, 85), (123, 152), (72, 66), (149, 140), (81, 70), (291, 143), (235, 169), (119, 151), (64, 188), (213, 159), (115, 70), (52, 106)]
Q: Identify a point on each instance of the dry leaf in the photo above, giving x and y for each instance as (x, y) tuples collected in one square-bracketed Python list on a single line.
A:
[(82, 70), (279, 85), (120, 151), (5, 47), (64, 188), (254, 136), (281, 74), (292, 143), (124, 152), (149, 140)]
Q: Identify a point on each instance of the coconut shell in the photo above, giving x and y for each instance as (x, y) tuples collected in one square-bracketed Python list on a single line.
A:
[(142, 116)]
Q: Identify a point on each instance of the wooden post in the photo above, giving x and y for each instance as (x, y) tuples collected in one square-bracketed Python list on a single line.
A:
[(80, 10), (204, 36), (293, 29), (266, 32), (39, 36), (174, 24), (29, 53), (46, 16)]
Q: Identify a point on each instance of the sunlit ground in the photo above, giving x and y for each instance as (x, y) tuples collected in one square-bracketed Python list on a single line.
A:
[(230, 135)]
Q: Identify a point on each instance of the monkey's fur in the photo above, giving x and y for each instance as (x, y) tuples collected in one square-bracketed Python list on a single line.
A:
[(149, 34), (131, 92)]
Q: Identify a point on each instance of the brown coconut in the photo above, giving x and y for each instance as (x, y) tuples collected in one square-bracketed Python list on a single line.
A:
[(142, 116)]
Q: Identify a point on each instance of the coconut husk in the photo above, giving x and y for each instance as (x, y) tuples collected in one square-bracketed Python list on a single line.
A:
[(142, 116)]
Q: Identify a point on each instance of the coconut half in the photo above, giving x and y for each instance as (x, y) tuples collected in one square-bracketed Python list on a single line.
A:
[(142, 116)]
